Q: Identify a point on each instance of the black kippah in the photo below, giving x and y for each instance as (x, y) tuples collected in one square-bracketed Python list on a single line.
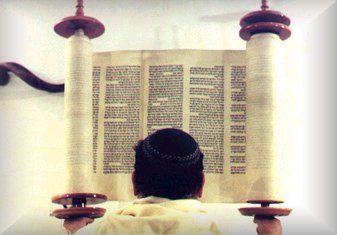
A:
[(173, 147)]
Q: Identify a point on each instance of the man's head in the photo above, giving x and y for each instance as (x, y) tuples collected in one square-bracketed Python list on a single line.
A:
[(168, 164)]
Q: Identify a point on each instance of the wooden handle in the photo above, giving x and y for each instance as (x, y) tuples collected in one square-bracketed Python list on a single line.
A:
[(264, 211)]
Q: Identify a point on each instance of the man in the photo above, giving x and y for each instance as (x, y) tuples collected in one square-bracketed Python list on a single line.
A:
[(168, 179)]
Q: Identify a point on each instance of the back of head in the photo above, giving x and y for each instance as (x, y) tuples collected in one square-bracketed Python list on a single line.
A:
[(169, 164)]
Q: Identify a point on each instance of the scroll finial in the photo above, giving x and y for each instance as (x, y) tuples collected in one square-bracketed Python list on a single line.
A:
[(69, 25), (264, 5), (265, 21), (79, 6)]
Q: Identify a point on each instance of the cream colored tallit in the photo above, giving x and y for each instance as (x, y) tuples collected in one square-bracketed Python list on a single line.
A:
[(153, 215)]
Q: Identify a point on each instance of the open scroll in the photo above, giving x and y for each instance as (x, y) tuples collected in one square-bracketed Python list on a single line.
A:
[(202, 92)]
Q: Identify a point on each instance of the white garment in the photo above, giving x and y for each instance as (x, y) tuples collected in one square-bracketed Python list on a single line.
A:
[(153, 215)]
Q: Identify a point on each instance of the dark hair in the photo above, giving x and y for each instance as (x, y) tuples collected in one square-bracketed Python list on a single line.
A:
[(168, 164)]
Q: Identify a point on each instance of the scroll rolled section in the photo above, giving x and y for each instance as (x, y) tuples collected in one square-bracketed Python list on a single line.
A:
[(263, 70), (78, 113)]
